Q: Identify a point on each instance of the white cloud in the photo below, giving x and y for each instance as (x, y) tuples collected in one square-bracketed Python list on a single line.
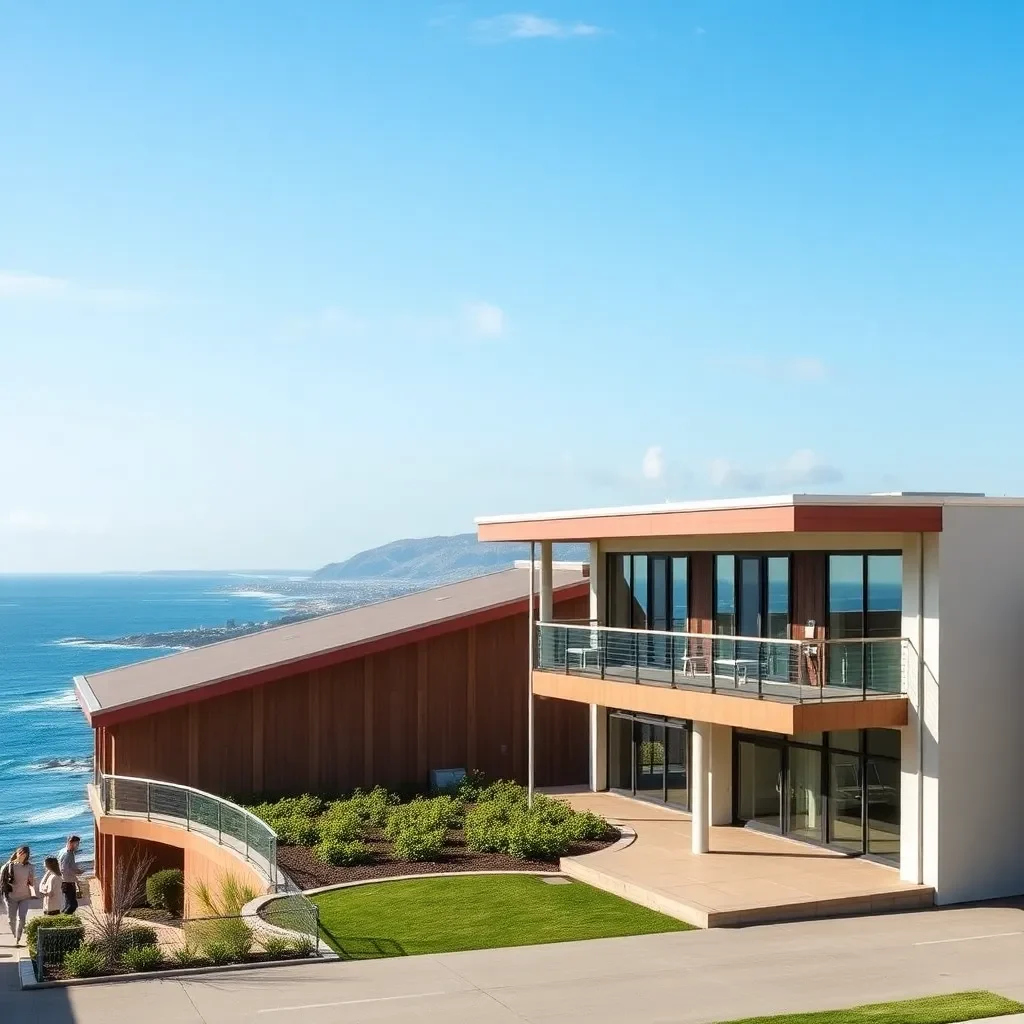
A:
[(806, 467), (40, 288), (472, 321), (802, 468), (798, 367), (485, 320), (509, 27), (653, 465)]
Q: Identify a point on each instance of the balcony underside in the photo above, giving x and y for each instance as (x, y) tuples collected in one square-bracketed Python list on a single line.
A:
[(776, 710)]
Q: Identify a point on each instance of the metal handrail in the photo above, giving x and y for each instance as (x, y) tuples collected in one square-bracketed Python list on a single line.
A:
[(812, 669), (254, 829), (796, 642)]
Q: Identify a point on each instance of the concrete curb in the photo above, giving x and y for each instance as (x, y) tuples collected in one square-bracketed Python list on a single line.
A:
[(429, 874), (28, 982)]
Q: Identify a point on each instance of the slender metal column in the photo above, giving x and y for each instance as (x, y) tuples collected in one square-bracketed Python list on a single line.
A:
[(529, 712)]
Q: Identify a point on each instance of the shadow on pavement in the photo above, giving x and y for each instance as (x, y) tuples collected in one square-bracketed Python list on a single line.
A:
[(362, 947), (49, 1006)]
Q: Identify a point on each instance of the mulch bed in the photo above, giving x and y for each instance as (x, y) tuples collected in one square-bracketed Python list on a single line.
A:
[(309, 873)]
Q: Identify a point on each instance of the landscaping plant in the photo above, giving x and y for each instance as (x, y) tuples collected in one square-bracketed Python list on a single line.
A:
[(276, 945), (85, 962), (142, 958), (165, 890), (342, 853), (72, 934), (223, 928), (418, 843)]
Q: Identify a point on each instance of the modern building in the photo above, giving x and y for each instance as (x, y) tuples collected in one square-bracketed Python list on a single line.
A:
[(840, 670), (381, 694)]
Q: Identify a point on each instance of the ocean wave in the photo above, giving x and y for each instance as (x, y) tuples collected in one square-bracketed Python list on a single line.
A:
[(268, 595), (66, 701), (112, 645), (54, 815), (64, 765)]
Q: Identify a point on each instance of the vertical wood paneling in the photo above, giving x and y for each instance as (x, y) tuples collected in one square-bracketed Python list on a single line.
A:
[(471, 755), (702, 610), (368, 727), (809, 598), (422, 710), (341, 728), (313, 731), (193, 744), (257, 741), (285, 739)]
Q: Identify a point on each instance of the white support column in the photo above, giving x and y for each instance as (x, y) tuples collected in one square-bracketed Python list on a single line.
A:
[(547, 597), (700, 765), (529, 712), (598, 714)]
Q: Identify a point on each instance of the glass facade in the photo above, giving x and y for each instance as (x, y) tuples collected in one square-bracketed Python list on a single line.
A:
[(865, 600), (649, 757), (648, 592), (841, 789)]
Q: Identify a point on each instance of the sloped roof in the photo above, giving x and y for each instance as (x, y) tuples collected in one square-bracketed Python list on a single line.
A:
[(181, 678)]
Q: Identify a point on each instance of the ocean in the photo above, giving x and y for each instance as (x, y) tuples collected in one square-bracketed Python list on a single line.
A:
[(53, 628)]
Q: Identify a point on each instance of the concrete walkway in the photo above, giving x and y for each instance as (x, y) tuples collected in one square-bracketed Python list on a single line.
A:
[(747, 878), (686, 978)]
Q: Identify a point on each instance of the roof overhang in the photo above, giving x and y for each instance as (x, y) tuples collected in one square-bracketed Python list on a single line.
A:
[(216, 687), (801, 513)]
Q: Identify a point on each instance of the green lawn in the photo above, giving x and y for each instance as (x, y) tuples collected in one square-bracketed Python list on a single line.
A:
[(934, 1010), (441, 915)]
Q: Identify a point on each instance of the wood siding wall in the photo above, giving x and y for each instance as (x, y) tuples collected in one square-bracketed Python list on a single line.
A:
[(455, 701), (809, 597)]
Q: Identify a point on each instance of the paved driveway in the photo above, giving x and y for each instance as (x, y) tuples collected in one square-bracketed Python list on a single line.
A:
[(692, 976)]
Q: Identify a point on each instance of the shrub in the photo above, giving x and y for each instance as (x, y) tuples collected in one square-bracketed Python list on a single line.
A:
[(297, 831), (305, 806), (439, 812), (74, 935), (165, 890), (219, 953), (546, 808), (373, 807), (342, 853), (223, 929), (532, 838), (142, 958), (585, 825), (487, 825), (276, 945), (504, 792), (187, 956), (304, 946), (84, 962), (341, 821), (470, 786), (417, 843)]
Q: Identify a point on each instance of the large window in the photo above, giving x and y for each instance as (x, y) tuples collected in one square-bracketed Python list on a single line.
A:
[(648, 592), (649, 757), (839, 788), (865, 600)]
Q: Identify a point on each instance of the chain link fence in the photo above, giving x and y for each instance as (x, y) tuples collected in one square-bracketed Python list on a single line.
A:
[(286, 928)]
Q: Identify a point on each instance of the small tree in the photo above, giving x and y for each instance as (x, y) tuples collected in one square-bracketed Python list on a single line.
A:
[(127, 891)]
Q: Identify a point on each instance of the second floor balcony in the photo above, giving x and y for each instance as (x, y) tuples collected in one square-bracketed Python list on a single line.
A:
[(792, 671)]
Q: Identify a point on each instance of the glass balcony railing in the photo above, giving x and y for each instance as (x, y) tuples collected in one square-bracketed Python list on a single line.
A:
[(786, 670), (217, 819)]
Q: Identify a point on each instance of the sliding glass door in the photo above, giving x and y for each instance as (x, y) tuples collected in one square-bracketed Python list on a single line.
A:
[(649, 758)]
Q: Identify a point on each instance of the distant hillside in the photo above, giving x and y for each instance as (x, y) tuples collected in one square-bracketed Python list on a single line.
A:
[(438, 559)]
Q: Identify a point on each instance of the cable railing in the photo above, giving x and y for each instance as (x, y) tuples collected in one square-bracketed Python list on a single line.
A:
[(780, 669), (217, 819)]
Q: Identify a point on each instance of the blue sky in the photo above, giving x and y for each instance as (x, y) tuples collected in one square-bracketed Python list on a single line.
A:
[(279, 282)]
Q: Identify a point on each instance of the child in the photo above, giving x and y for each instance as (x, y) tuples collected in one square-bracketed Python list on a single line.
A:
[(49, 887)]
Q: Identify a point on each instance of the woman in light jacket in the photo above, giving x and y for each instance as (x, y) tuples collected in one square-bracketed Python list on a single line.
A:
[(19, 886)]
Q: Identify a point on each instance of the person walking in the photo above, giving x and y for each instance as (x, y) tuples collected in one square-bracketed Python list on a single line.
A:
[(70, 872), (49, 887), (18, 884)]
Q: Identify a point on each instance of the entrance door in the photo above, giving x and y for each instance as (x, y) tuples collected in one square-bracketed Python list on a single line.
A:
[(759, 783)]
